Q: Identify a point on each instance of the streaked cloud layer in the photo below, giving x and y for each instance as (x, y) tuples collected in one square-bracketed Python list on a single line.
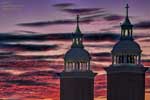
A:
[(35, 35)]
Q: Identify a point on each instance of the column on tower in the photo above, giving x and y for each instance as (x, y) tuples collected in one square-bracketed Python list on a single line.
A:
[(126, 58), (77, 66)]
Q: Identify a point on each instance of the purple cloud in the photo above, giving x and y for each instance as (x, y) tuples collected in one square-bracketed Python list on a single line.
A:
[(101, 54), (63, 5), (143, 25), (83, 11), (56, 36), (27, 47), (113, 17), (55, 22)]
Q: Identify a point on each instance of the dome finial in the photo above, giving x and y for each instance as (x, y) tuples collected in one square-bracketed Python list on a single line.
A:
[(78, 29), (127, 8)]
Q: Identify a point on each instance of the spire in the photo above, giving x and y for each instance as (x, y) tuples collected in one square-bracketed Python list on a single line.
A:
[(126, 27), (127, 8), (127, 21), (77, 36), (78, 28)]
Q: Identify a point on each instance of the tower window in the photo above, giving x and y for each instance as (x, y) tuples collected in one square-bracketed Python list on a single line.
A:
[(77, 41), (126, 33)]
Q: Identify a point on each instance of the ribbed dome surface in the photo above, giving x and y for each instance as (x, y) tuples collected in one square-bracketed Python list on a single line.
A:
[(77, 54), (126, 46)]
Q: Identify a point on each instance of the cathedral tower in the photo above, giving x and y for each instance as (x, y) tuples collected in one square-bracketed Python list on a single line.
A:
[(77, 78), (126, 75)]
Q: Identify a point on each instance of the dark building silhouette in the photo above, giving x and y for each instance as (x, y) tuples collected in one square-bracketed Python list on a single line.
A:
[(77, 79), (126, 75)]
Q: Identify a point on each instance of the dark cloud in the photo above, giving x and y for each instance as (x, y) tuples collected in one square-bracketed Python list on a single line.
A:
[(88, 15), (5, 53), (63, 5), (39, 57), (28, 64), (46, 23), (31, 57), (146, 60), (102, 59), (100, 85), (26, 82), (113, 17), (34, 78), (143, 25), (101, 54), (99, 46), (102, 15), (84, 11), (141, 36), (5, 74), (27, 47), (57, 36), (94, 17), (145, 40), (102, 37), (145, 55), (10, 37), (53, 74), (26, 32), (55, 22)]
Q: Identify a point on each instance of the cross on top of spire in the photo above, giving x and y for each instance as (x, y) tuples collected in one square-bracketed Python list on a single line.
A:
[(127, 21), (126, 27), (127, 8)]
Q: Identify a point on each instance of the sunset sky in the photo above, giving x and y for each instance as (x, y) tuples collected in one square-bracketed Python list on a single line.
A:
[(35, 35)]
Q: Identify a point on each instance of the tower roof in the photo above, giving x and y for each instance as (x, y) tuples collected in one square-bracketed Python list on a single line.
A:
[(126, 45), (77, 36), (77, 52), (77, 55)]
